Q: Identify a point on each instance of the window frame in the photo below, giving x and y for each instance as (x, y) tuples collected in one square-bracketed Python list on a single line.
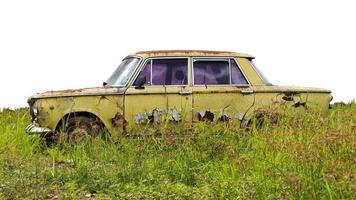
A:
[(228, 59), (150, 59)]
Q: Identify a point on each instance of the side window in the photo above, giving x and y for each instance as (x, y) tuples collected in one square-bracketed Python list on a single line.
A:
[(236, 75), (164, 72), (211, 72), (217, 72)]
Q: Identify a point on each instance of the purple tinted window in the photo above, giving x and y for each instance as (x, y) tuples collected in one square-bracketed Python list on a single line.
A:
[(145, 75), (236, 75), (169, 71), (164, 72), (211, 72)]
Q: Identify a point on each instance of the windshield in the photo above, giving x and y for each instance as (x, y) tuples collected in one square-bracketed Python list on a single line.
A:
[(122, 74), (260, 74)]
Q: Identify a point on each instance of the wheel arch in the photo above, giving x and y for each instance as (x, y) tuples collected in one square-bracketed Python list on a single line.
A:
[(83, 113)]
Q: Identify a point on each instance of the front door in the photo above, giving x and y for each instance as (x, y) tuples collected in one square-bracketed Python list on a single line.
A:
[(159, 93)]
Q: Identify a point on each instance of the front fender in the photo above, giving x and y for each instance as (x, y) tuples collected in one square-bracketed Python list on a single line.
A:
[(53, 110)]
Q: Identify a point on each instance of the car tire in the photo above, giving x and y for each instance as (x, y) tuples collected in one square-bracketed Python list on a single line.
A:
[(80, 128)]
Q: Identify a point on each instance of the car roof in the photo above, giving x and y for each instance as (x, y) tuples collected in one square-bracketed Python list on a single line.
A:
[(203, 53)]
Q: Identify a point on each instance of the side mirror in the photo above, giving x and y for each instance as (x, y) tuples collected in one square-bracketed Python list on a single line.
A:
[(140, 83)]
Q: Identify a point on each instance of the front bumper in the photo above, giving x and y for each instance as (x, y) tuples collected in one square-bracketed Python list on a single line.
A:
[(34, 128)]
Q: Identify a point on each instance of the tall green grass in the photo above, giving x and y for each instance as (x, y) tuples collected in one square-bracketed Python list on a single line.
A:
[(295, 154)]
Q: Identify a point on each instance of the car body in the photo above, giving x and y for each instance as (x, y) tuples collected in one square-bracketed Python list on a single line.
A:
[(173, 85)]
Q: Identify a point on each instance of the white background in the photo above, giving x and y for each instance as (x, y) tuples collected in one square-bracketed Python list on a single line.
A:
[(49, 45)]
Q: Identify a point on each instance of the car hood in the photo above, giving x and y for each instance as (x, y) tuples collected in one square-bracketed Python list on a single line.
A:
[(107, 90)]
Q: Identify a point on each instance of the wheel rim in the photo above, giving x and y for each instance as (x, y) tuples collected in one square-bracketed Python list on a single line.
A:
[(79, 134)]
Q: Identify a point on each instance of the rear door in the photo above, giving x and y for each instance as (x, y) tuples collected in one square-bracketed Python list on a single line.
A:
[(160, 92), (220, 89)]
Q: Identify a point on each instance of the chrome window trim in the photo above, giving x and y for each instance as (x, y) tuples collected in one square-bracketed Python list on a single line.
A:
[(129, 82), (230, 72), (150, 71), (156, 58), (223, 85), (138, 68), (132, 56), (261, 85), (220, 59), (243, 73)]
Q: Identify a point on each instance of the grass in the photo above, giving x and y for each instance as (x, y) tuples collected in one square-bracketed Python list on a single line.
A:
[(302, 155)]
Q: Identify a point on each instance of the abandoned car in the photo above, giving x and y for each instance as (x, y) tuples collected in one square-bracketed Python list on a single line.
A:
[(182, 85)]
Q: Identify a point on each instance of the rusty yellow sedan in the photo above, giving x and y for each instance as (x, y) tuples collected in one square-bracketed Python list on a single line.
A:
[(178, 86)]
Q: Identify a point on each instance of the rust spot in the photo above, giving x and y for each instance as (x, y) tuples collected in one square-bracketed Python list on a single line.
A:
[(191, 52), (119, 121), (298, 104), (70, 91), (224, 118), (205, 116), (288, 98), (151, 118), (184, 52), (291, 93)]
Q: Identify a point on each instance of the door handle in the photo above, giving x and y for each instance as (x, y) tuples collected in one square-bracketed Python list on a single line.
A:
[(185, 92), (247, 91)]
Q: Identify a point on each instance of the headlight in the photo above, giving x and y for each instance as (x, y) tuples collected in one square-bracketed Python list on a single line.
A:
[(34, 111)]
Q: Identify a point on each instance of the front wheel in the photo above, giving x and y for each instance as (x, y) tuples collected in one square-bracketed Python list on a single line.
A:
[(80, 128)]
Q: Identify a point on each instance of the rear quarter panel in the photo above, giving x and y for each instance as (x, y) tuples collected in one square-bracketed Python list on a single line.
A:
[(292, 96)]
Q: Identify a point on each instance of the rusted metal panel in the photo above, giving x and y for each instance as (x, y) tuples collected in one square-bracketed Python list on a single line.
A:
[(162, 101), (107, 90), (52, 110), (163, 53), (223, 101), (296, 98)]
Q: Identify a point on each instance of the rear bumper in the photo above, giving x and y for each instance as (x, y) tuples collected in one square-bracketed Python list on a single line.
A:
[(34, 128)]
